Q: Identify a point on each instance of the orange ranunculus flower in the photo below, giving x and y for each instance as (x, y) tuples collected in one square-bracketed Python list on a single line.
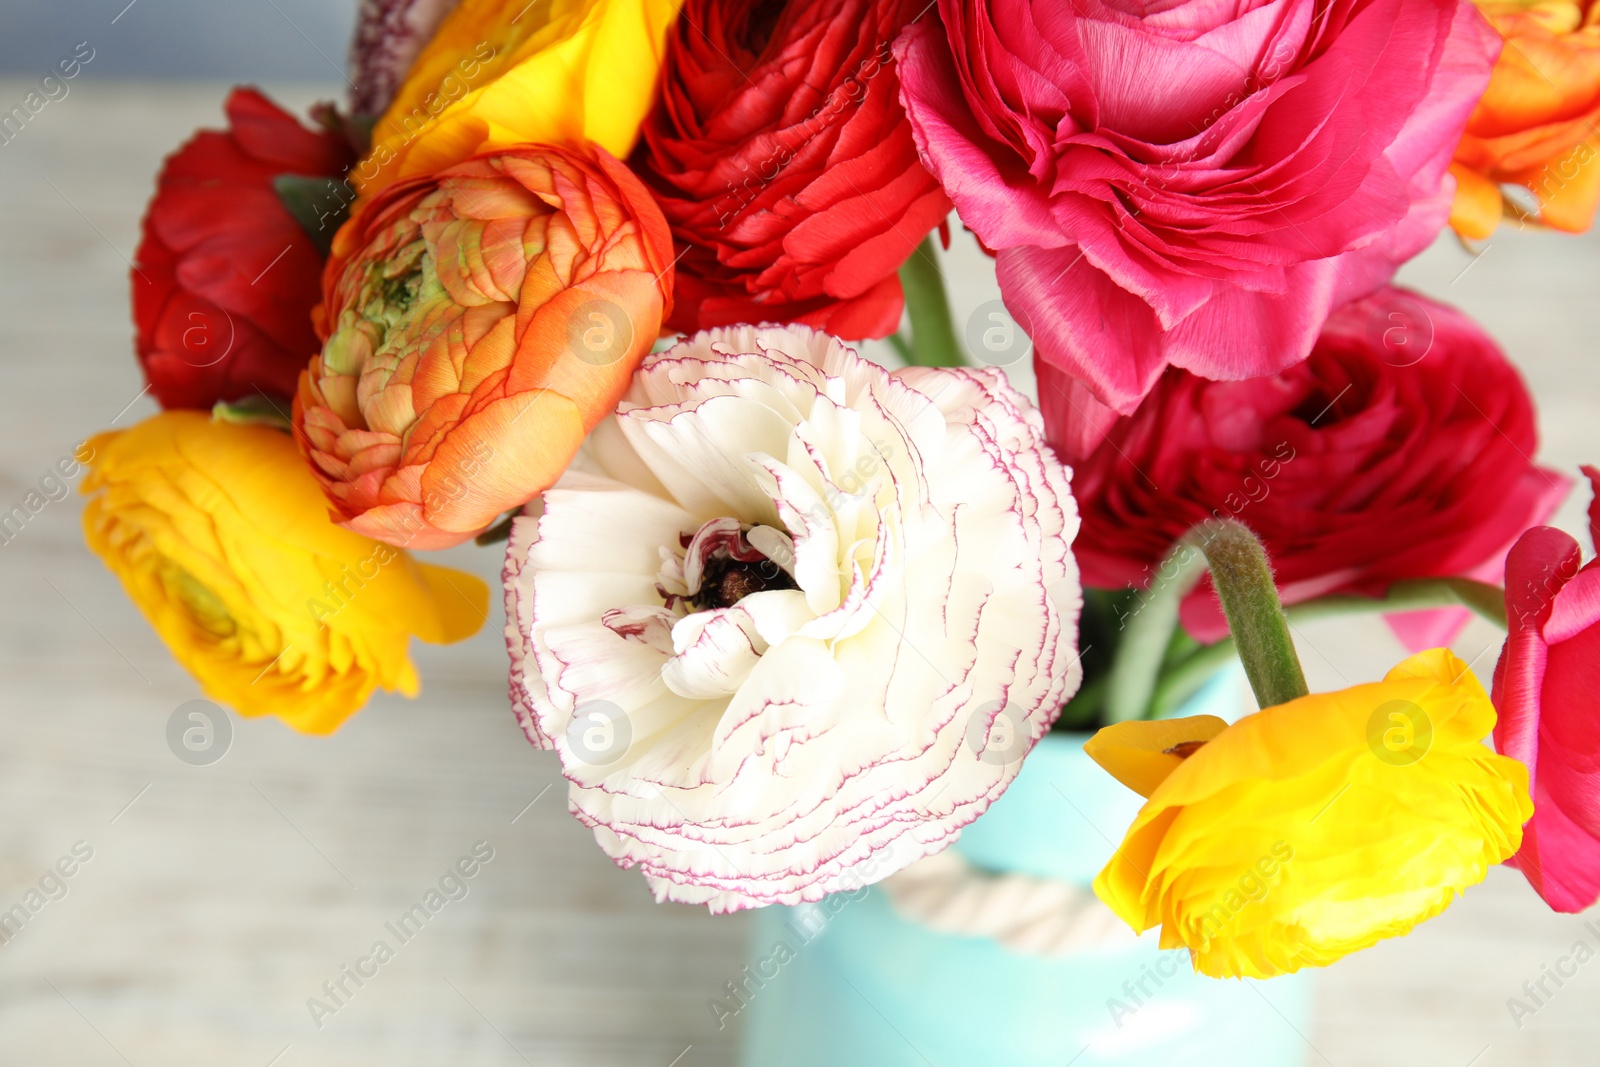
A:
[(478, 323), (1536, 123), (221, 538), (501, 73)]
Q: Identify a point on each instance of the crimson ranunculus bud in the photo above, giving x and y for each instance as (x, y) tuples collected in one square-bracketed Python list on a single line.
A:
[(783, 160), (1402, 448), (225, 277)]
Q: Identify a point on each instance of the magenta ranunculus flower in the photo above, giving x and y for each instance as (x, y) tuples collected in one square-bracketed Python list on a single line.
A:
[(388, 36), (1544, 690), (794, 620), (1199, 184)]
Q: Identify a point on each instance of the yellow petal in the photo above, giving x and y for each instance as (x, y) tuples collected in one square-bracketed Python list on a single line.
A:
[(1434, 665), (1141, 754), (499, 74), (1306, 832), (221, 536), (462, 603)]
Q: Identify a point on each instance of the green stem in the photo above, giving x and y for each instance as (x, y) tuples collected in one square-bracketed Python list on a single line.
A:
[(1147, 633), (1184, 676), (1180, 648), (1243, 580), (1182, 681), (933, 335), (1413, 594)]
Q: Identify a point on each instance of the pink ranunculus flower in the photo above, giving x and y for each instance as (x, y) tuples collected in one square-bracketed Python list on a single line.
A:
[(1544, 690), (795, 619), (1193, 184)]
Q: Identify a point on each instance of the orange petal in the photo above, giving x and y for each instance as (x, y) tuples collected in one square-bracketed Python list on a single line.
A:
[(499, 458), (1475, 212), (1568, 189)]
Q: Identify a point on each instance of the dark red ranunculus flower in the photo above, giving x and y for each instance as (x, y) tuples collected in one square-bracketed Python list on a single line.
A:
[(783, 160), (225, 278), (1401, 448)]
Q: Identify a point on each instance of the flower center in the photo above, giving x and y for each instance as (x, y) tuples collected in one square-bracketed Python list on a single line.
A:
[(204, 608), (721, 565), (761, 21), (726, 581)]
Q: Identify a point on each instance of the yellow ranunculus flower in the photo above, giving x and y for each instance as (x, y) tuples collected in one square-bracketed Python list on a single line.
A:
[(1314, 828), (501, 73), (221, 536)]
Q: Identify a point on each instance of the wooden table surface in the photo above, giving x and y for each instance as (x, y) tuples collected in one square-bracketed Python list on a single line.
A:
[(218, 899)]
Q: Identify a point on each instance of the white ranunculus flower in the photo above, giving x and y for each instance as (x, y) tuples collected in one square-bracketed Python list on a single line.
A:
[(796, 617)]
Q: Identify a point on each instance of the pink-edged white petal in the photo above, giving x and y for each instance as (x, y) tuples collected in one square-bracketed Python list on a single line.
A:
[(714, 653)]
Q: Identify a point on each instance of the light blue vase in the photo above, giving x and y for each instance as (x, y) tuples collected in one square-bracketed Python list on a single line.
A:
[(859, 986)]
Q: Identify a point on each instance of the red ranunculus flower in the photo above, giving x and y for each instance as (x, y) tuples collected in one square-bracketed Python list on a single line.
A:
[(1544, 690), (784, 162), (1399, 449), (225, 278)]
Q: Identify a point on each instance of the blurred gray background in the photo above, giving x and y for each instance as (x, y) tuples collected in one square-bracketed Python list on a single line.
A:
[(237, 40)]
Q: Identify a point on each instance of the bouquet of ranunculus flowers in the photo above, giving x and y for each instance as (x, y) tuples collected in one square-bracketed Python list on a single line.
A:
[(583, 277)]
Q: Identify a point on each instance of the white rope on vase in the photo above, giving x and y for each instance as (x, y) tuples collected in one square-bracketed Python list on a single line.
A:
[(1035, 916)]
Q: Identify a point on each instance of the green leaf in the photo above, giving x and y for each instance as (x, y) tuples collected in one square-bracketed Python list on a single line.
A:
[(1083, 710), (1186, 671), (258, 410), (499, 532), (319, 205), (1413, 594)]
